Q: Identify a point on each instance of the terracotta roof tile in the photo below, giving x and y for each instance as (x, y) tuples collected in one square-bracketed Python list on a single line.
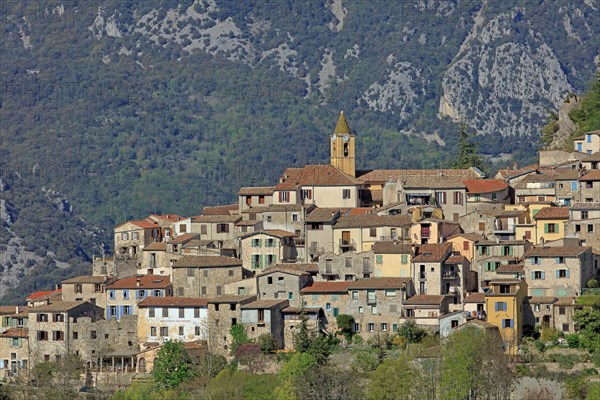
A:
[(509, 268), (314, 175), (592, 157), (247, 222), (323, 214), (167, 217), (4, 310), (15, 332), (156, 246), (45, 294), (455, 260), (555, 251), (372, 221), (379, 283), (145, 282), (431, 252), (256, 191), (221, 210), (144, 224), (474, 237), (218, 219), (327, 287), (238, 299), (392, 247), (475, 298), (186, 237), (207, 262), (267, 303), (541, 299), (424, 299), (481, 186), (173, 302), (567, 175), (593, 175), (86, 279), (552, 213), (585, 206), (271, 232), (292, 268), (59, 306)]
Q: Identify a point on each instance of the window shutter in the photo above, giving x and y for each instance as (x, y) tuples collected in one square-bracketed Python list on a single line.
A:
[(259, 242), (545, 228), (309, 194), (404, 259), (557, 273), (543, 275), (556, 228), (512, 323), (496, 306), (280, 197), (568, 273), (532, 275), (510, 251)]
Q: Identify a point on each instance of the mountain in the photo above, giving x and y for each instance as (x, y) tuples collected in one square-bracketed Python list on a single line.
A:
[(131, 107)]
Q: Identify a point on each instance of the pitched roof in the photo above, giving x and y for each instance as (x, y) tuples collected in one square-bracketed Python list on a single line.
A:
[(580, 137), (455, 259), (217, 218), (145, 282), (247, 222), (59, 306), (15, 332), (481, 186), (555, 251), (475, 298), (585, 206), (207, 262), (156, 246), (232, 299), (392, 247), (292, 268), (306, 310), (144, 224), (509, 268), (327, 287), (553, 213), (541, 299), (8, 309), (379, 283), (256, 191), (166, 217), (592, 157), (437, 178), (314, 175), (85, 279), (45, 294), (424, 299), (567, 175), (186, 237), (371, 221), (220, 210), (431, 252), (278, 233), (511, 173), (474, 237), (267, 303), (173, 302), (593, 175), (342, 125), (322, 214)]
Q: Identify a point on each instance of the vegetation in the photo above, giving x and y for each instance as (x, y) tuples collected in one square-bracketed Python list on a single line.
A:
[(467, 155), (587, 115), (172, 365)]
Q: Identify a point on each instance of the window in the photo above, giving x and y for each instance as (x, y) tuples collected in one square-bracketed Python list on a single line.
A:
[(328, 307), (465, 245), (535, 260), (151, 312), (562, 273), (550, 228), (404, 259), (58, 335), (561, 310), (306, 194), (181, 331), (165, 312), (181, 312), (203, 230), (347, 262), (112, 294), (58, 318), (255, 242), (261, 199), (565, 327), (197, 330), (290, 296), (355, 295), (124, 236), (371, 327), (507, 323), (191, 272), (384, 326), (164, 331), (152, 331), (203, 290), (390, 293), (356, 327), (125, 294), (294, 217), (222, 228), (588, 138), (538, 275), (126, 310), (93, 334), (573, 185), (370, 295), (500, 306), (345, 193), (590, 228), (482, 226), (373, 232), (348, 277), (374, 310), (284, 197), (42, 335), (584, 215), (78, 288), (361, 310), (536, 308), (440, 197)]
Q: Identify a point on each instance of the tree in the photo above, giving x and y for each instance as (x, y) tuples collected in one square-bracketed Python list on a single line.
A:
[(266, 342), (291, 373), (588, 320), (474, 365), (172, 366), (411, 333), (467, 155), (394, 380), (345, 323), (239, 335), (328, 383)]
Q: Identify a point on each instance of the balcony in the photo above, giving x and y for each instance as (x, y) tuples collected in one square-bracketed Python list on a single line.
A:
[(329, 271), (450, 275), (347, 245), (422, 276)]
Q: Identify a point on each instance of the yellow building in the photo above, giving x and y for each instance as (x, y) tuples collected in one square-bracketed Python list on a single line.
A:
[(504, 305), (464, 244), (550, 223), (360, 232), (392, 259), (343, 147)]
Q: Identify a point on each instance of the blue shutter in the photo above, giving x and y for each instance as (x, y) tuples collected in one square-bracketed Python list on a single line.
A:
[(512, 323), (557, 273), (574, 185), (496, 306), (568, 273), (543, 275), (532, 275)]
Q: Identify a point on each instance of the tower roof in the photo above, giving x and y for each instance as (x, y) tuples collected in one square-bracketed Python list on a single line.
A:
[(342, 127)]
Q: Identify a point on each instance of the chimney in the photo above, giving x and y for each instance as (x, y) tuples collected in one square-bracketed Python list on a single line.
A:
[(515, 166), (138, 281), (542, 242)]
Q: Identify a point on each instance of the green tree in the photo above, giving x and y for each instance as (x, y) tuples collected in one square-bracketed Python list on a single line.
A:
[(411, 333), (291, 373), (588, 320), (467, 155), (239, 335), (394, 380), (172, 366), (345, 323)]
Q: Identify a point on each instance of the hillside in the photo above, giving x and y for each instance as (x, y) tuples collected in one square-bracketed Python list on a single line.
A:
[(131, 107)]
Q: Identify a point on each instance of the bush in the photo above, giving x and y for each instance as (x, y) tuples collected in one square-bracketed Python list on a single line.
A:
[(522, 370), (345, 323), (540, 345), (411, 332), (549, 335), (266, 342), (592, 283), (573, 340), (590, 371)]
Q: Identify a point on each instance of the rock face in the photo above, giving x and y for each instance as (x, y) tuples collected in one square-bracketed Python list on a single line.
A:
[(565, 126)]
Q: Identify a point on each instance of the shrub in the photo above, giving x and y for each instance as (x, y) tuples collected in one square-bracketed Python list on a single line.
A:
[(411, 332), (267, 344), (345, 323), (573, 340), (592, 283), (522, 370), (590, 371), (540, 346)]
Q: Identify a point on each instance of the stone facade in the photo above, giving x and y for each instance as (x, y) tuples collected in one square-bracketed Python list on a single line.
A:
[(283, 282), (347, 266), (199, 276), (331, 297), (584, 223), (223, 313), (123, 295), (86, 288), (265, 317)]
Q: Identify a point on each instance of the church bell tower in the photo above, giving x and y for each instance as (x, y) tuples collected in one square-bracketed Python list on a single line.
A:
[(342, 147)]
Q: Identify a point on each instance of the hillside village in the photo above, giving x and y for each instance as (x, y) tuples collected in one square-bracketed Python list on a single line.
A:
[(444, 248)]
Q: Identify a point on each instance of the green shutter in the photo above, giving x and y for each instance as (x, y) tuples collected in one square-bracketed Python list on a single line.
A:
[(404, 259), (379, 258), (556, 228), (510, 250), (545, 228)]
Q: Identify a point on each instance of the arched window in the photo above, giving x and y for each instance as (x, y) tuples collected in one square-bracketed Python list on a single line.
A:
[(345, 149)]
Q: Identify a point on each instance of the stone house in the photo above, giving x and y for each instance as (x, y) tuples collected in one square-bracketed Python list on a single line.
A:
[(265, 317), (591, 162), (590, 187), (131, 237), (567, 187), (490, 255), (347, 266), (218, 228), (563, 311), (536, 187), (244, 226), (292, 318), (480, 222), (319, 231), (539, 310), (550, 223), (285, 217), (584, 223), (428, 270), (104, 266), (260, 249), (464, 244), (504, 305), (284, 281), (86, 288), (182, 319), (331, 297), (123, 295), (425, 309), (587, 143), (376, 305), (44, 297), (432, 230), (559, 271), (223, 313), (506, 223), (51, 328), (486, 191), (155, 260), (241, 287), (449, 322), (249, 197), (205, 276), (392, 258), (474, 305), (360, 232), (14, 351)]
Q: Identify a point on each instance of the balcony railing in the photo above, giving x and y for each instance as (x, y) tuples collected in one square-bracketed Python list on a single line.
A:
[(347, 245), (422, 276), (450, 275)]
